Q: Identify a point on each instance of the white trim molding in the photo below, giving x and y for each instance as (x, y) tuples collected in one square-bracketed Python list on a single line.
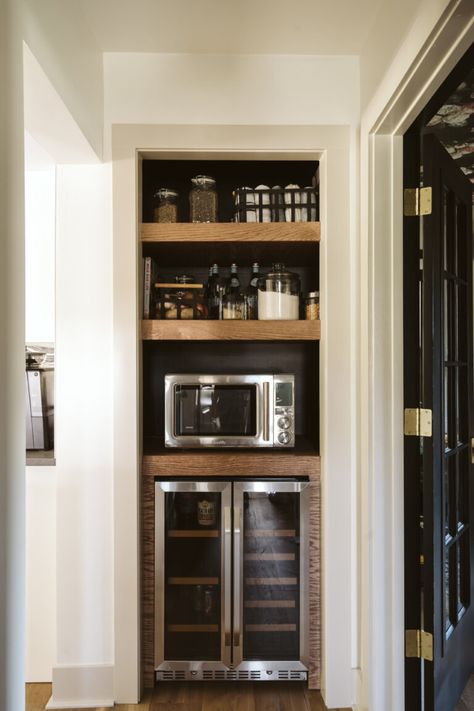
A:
[(82, 687)]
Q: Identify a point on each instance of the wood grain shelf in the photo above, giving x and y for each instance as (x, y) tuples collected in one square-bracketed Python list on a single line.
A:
[(177, 330), (172, 463), (231, 232), (193, 628), (192, 581), (177, 533)]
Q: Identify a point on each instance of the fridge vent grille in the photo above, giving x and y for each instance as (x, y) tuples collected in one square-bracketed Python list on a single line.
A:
[(230, 675)]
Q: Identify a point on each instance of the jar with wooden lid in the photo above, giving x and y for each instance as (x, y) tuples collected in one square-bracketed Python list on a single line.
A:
[(166, 205), (203, 199)]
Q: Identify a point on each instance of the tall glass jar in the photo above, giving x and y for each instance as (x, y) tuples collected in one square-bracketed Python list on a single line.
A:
[(166, 205), (279, 295), (203, 199)]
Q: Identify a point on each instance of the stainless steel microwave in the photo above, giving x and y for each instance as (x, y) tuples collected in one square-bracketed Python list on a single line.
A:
[(229, 410)]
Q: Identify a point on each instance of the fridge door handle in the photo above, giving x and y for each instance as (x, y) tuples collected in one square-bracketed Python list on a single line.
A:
[(227, 583), (238, 603)]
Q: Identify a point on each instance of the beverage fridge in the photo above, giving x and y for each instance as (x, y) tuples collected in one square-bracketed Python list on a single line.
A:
[(231, 580)]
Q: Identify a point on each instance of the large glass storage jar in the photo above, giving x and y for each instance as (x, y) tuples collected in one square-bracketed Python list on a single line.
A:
[(279, 295), (203, 199), (166, 205)]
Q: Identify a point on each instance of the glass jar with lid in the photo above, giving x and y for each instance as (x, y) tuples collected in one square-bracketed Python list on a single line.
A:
[(166, 205), (203, 199), (312, 306), (279, 295)]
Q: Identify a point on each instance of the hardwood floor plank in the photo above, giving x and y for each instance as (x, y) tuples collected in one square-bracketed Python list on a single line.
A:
[(207, 696)]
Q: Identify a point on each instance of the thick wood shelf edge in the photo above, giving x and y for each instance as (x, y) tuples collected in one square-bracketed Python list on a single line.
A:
[(231, 232), (245, 464), (177, 330)]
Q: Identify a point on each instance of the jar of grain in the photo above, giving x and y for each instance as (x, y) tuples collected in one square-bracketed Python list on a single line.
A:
[(312, 306), (203, 199), (166, 205)]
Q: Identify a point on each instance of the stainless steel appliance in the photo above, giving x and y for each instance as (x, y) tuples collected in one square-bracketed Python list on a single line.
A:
[(231, 580), (254, 410), (39, 388)]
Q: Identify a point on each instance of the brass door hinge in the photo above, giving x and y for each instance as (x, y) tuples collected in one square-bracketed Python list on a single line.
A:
[(417, 422), (419, 644), (416, 201)]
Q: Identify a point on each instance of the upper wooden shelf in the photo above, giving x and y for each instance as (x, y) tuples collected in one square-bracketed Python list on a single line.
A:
[(231, 232), (177, 330)]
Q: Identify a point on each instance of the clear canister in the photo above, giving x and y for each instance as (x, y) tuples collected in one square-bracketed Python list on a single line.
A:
[(279, 295), (166, 205), (312, 306), (203, 199)]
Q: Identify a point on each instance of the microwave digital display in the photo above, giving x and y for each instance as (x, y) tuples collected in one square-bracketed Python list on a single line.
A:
[(284, 395), (215, 410)]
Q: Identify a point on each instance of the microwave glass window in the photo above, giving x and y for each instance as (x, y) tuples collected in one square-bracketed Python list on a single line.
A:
[(215, 410), (284, 394)]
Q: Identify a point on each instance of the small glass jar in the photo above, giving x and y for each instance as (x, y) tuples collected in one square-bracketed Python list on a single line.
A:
[(279, 295), (166, 205), (203, 199), (312, 306), (233, 306)]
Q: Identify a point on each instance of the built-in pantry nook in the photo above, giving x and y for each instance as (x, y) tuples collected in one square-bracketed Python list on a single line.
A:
[(230, 535)]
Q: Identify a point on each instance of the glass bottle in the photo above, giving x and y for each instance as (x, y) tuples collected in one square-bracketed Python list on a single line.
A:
[(213, 293), (233, 301), (166, 205), (203, 199), (279, 294), (251, 295)]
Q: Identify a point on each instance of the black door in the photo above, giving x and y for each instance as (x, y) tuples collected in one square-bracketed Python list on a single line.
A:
[(447, 541), (439, 485)]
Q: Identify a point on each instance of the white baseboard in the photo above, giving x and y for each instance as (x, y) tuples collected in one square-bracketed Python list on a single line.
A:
[(82, 687)]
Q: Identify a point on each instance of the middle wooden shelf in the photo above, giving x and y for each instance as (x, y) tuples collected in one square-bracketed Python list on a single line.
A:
[(231, 330)]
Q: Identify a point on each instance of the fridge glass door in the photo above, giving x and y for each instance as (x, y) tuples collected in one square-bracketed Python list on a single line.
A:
[(267, 610), (191, 597)]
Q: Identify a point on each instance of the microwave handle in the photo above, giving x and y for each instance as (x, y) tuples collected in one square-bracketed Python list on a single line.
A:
[(266, 410)]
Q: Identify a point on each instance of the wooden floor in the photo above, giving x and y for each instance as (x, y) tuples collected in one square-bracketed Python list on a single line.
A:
[(208, 696)]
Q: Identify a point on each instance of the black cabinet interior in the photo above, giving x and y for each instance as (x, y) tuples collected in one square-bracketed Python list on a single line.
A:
[(229, 174), (219, 357)]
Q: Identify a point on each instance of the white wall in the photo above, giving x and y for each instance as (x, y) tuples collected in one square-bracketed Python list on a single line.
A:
[(230, 89), (83, 450), (12, 399), (40, 232), (40, 573), (57, 34)]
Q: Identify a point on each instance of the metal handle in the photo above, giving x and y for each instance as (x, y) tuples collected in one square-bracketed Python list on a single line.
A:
[(237, 585), (227, 577), (472, 450), (266, 411)]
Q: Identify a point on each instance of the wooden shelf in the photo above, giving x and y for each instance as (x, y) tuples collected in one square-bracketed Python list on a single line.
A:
[(176, 463), (181, 533), (231, 232), (177, 330), (193, 581), (193, 628)]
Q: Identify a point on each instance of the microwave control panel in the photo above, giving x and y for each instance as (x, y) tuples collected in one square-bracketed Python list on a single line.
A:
[(284, 412)]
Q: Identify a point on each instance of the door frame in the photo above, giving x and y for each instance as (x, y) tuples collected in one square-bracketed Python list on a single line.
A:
[(381, 355)]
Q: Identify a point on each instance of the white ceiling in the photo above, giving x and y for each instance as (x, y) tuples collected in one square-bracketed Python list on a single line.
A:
[(232, 26)]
